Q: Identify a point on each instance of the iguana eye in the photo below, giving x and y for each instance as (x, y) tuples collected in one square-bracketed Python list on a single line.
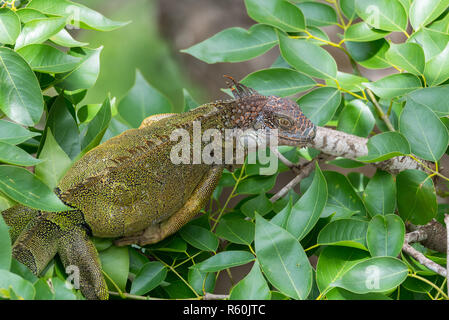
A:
[(284, 122)]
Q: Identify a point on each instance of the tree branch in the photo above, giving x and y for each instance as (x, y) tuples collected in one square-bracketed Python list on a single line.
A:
[(428, 233), (446, 221), (212, 296), (432, 235), (424, 260), (338, 143), (304, 172), (382, 115)]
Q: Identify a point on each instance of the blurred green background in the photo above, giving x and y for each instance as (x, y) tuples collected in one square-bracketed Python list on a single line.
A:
[(137, 45)]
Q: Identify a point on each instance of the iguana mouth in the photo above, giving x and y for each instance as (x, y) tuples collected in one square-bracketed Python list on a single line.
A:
[(308, 136)]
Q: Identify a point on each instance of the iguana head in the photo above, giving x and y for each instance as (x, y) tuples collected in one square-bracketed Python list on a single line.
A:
[(252, 110)]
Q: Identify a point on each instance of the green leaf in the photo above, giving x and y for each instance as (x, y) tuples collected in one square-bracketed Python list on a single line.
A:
[(362, 32), (63, 38), (320, 104), (22, 186), (334, 262), (45, 58), (307, 57), (365, 51), (387, 15), (97, 127), (348, 9), (20, 95), (342, 199), (87, 113), (314, 31), (432, 41), (171, 244), (318, 14), (23, 271), (377, 274), (358, 181), (62, 292), (236, 230), (199, 237), (434, 98), (115, 263), (348, 82), (380, 194), (259, 204), (103, 243), (345, 163), (148, 278), (235, 44), (343, 294), (224, 260), (115, 128), (441, 25), (437, 68), (416, 197), (426, 133), (256, 184), (424, 12), (394, 85), (85, 74), (408, 56), (252, 287), (43, 290), (38, 31), (283, 260), (356, 118), (304, 214), (82, 15), (5, 245), (384, 146), (13, 133), (344, 232), (406, 4), (377, 60), (22, 288), (142, 101), (61, 121), (26, 15), (202, 282), (14, 155), (189, 102), (55, 164), (385, 235), (277, 13), (280, 82), (9, 26)]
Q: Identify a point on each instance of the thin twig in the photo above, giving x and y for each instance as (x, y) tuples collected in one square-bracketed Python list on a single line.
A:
[(281, 157), (446, 221), (382, 115), (305, 171), (424, 260), (416, 236), (212, 296)]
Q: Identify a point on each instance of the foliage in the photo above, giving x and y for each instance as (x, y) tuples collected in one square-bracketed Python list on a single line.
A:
[(353, 224)]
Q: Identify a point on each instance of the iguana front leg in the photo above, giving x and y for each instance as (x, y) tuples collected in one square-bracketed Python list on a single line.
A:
[(81, 260), (17, 218), (198, 199)]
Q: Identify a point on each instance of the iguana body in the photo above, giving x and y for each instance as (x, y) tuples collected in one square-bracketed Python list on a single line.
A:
[(129, 188)]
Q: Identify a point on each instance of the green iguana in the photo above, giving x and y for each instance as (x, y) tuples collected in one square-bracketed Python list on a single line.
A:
[(128, 188)]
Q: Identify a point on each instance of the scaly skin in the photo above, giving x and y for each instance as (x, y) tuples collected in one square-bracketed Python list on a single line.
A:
[(128, 188)]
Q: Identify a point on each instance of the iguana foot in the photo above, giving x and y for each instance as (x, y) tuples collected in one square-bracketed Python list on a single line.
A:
[(150, 235)]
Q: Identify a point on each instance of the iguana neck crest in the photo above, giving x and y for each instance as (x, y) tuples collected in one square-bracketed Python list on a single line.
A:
[(252, 110)]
